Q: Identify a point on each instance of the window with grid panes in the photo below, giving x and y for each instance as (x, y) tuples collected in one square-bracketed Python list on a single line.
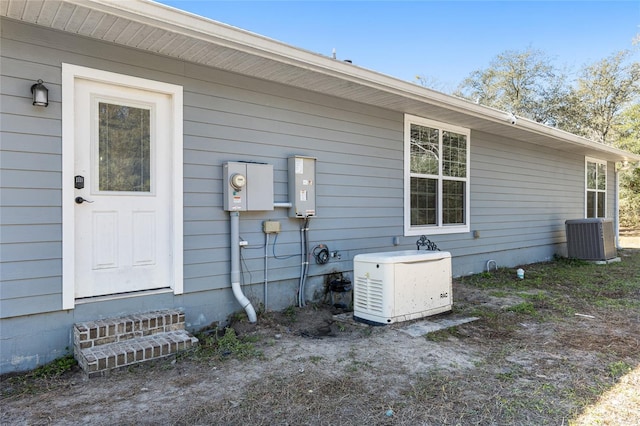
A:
[(436, 177), (596, 188)]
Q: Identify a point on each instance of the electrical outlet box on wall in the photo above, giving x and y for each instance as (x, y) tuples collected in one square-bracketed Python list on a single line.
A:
[(271, 227), (247, 186)]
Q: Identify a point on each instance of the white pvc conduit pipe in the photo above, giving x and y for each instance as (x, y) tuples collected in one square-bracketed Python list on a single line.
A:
[(235, 268)]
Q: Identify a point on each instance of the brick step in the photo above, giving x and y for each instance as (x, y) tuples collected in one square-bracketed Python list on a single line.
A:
[(98, 360), (105, 344), (104, 331)]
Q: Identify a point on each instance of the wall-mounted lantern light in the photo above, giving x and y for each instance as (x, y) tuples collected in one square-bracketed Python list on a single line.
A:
[(40, 94)]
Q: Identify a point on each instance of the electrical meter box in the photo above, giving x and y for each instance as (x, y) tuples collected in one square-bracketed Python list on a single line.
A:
[(302, 186), (247, 186)]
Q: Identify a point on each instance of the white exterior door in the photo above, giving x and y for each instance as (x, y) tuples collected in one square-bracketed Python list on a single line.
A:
[(123, 230)]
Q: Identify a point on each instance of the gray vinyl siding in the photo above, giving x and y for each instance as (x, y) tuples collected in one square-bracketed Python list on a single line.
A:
[(521, 194), (227, 118), (231, 124), (30, 198)]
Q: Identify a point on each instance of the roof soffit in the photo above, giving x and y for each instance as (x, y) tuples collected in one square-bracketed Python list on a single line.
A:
[(167, 31)]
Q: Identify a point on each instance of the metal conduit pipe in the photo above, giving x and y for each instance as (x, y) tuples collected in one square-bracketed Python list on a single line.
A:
[(282, 205), (235, 268), (302, 269), (266, 268)]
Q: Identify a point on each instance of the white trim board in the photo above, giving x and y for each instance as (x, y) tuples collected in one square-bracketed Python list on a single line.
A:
[(69, 75)]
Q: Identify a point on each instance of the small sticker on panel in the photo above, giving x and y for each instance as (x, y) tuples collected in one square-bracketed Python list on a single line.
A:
[(303, 195), (299, 166)]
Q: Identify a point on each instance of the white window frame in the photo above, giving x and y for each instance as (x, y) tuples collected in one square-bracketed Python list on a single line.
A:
[(438, 228), (588, 160)]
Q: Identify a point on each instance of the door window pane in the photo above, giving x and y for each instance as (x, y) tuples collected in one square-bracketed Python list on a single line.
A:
[(124, 148)]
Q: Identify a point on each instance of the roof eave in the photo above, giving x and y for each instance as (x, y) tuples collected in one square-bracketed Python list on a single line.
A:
[(405, 96)]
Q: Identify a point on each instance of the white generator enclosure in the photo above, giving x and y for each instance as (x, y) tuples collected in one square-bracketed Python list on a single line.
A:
[(401, 285)]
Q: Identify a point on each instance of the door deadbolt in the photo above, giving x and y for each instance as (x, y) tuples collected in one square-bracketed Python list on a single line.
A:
[(79, 182)]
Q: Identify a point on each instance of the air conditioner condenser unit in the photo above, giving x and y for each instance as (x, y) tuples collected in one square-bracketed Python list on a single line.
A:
[(591, 239), (399, 286)]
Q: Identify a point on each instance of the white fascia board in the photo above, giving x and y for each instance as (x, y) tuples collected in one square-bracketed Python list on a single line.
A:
[(191, 25), (175, 20), (572, 139)]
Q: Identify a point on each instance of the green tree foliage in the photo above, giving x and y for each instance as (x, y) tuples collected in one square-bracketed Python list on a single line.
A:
[(522, 82), (528, 85), (627, 129), (603, 90), (601, 104)]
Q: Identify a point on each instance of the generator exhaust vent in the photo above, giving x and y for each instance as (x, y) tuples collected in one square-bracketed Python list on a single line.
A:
[(590, 239)]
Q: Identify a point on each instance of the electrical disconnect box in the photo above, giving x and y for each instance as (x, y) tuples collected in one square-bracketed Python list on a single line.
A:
[(247, 186), (302, 186)]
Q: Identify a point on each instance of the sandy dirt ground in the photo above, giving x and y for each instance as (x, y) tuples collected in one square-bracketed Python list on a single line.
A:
[(316, 368), (630, 242)]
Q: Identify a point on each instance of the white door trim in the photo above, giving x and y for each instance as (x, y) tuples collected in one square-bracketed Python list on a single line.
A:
[(69, 74)]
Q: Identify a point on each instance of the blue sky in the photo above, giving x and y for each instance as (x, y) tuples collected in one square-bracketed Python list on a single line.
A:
[(443, 40)]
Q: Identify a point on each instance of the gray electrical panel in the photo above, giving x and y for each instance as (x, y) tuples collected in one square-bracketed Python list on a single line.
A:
[(247, 186), (302, 186)]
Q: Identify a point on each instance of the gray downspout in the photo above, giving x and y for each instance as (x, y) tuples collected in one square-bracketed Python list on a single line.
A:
[(235, 267)]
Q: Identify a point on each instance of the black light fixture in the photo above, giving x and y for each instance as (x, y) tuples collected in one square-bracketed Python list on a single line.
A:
[(40, 94)]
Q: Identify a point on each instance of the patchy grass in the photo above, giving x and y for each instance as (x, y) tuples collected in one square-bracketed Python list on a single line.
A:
[(226, 344), (532, 361), (567, 285), (44, 378), (618, 369), (619, 405), (569, 299), (444, 334), (526, 308), (290, 313), (55, 368), (542, 364)]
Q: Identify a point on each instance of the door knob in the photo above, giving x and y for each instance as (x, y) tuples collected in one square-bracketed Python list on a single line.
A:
[(80, 200)]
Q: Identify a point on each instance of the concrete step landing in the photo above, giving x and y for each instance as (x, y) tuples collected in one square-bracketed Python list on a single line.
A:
[(107, 344)]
